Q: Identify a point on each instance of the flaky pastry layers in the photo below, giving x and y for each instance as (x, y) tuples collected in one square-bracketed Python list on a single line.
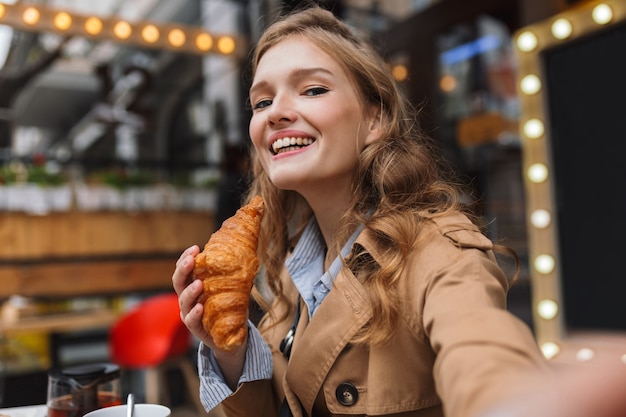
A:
[(227, 267)]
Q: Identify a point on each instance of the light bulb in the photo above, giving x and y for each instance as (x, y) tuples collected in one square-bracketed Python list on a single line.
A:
[(204, 42), (540, 218), (448, 83), (602, 14), (537, 173), (530, 84), (176, 38), (31, 16), (62, 21), (122, 30), (93, 25), (547, 309), (544, 263), (150, 33), (561, 28), (527, 41), (400, 72), (550, 350), (534, 128), (226, 45)]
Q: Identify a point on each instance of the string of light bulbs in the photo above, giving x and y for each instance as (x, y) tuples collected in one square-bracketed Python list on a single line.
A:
[(162, 35)]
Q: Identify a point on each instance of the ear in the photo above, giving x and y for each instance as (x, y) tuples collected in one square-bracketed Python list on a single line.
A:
[(374, 124)]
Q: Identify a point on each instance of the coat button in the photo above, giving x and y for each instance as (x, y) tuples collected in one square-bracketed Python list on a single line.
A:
[(347, 394)]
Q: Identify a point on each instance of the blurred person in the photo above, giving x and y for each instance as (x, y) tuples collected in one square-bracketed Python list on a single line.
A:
[(382, 296)]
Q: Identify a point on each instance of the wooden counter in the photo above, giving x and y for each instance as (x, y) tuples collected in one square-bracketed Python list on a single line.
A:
[(57, 323), (88, 253)]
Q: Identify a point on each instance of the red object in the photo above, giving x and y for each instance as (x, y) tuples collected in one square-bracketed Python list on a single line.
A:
[(149, 333)]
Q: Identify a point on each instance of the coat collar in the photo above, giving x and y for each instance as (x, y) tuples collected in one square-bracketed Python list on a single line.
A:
[(343, 313)]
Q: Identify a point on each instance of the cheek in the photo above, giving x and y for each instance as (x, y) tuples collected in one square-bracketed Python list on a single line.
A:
[(255, 130)]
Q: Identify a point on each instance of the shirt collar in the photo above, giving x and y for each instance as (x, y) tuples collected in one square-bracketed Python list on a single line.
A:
[(306, 263)]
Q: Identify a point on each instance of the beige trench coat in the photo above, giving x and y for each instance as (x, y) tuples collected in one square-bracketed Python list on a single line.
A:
[(455, 346)]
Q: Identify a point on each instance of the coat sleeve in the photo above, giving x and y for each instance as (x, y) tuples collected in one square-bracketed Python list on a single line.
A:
[(259, 397), (255, 398), (257, 371), (484, 354)]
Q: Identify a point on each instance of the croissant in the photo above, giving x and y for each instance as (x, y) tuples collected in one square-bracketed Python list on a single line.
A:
[(227, 266)]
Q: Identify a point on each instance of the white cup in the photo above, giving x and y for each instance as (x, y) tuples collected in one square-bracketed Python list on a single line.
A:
[(141, 410)]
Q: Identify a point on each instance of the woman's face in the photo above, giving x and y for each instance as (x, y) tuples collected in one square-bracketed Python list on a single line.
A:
[(308, 126)]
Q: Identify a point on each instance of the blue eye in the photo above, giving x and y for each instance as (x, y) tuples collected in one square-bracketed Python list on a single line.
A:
[(315, 91), (262, 104)]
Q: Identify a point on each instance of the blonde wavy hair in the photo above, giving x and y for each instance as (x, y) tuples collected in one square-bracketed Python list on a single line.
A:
[(399, 179)]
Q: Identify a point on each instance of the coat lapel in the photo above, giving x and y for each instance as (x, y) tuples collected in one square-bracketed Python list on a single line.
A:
[(344, 311)]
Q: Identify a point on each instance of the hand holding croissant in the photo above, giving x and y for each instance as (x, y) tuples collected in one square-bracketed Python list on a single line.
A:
[(227, 267)]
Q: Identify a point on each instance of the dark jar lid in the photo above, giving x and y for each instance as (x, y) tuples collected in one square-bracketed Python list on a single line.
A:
[(91, 374)]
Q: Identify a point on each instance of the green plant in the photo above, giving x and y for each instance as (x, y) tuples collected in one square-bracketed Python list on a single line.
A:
[(38, 174)]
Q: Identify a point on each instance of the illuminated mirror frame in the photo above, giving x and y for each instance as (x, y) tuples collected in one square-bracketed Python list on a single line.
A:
[(529, 43)]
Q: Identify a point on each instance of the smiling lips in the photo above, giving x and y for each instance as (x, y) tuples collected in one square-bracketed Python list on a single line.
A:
[(290, 144)]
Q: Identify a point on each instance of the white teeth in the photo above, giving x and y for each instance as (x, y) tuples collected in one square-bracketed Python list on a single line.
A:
[(285, 144)]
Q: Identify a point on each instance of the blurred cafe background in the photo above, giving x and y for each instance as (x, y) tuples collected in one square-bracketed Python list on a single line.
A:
[(123, 135)]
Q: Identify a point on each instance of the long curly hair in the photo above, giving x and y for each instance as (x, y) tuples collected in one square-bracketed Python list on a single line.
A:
[(399, 179)]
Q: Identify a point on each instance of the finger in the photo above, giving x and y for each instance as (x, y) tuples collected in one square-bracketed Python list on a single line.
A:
[(182, 274), (188, 298), (190, 251), (193, 321)]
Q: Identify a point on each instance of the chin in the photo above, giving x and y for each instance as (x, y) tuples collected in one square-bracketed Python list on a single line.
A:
[(285, 185), (288, 180)]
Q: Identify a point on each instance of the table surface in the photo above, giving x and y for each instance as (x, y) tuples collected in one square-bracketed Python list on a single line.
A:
[(27, 411)]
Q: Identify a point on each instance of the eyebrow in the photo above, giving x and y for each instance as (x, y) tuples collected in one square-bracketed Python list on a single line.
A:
[(295, 74)]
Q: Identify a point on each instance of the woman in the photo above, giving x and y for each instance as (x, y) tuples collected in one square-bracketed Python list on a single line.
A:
[(394, 296)]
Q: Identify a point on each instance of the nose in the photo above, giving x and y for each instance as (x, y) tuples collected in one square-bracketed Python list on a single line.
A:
[(281, 112)]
